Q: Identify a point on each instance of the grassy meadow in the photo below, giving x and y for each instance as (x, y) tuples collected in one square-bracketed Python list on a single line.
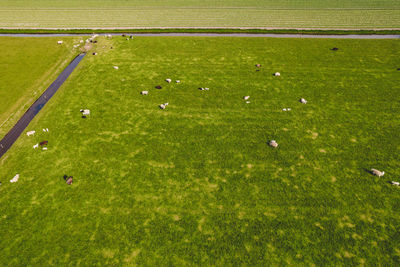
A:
[(333, 14), (27, 67), (197, 183)]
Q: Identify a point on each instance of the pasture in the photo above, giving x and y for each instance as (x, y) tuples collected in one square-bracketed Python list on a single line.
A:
[(197, 183), (337, 14), (27, 67)]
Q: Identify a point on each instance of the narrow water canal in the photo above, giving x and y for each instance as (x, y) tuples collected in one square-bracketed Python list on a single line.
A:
[(24, 121)]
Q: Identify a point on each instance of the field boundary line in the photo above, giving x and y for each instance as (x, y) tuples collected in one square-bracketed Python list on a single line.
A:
[(7, 119), (216, 30), (237, 35), (200, 28)]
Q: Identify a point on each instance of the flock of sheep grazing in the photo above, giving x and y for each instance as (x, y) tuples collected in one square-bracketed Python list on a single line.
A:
[(86, 112), (381, 173), (273, 143), (164, 105), (43, 144), (89, 40)]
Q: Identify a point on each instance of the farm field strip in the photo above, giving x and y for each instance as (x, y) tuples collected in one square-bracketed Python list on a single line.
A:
[(289, 4), (307, 14)]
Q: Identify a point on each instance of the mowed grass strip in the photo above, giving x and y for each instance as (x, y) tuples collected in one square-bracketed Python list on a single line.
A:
[(225, 18), (197, 183), (362, 14), (27, 67)]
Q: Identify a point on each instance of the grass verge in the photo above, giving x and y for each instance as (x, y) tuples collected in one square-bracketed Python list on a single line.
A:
[(28, 67)]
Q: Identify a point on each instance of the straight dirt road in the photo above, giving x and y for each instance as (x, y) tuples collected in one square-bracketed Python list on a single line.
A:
[(349, 36)]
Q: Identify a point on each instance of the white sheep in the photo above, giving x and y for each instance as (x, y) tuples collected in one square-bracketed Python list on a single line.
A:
[(395, 183), (15, 179), (59, 42), (247, 102), (206, 89), (144, 92), (246, 97), (116, 67), (36, 146), (277, 74), (377, 173), (168, 80), (303, 101), (44, 148), (163, 106), (30, 133), (273, 143), (85, 112), (178, 81)]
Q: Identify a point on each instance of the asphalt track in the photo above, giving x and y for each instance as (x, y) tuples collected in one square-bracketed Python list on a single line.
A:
[(24, 121), (270, 35)]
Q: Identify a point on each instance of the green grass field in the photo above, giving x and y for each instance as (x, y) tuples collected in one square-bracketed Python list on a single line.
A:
[(197, 184), (27, 67), (332, 14)]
